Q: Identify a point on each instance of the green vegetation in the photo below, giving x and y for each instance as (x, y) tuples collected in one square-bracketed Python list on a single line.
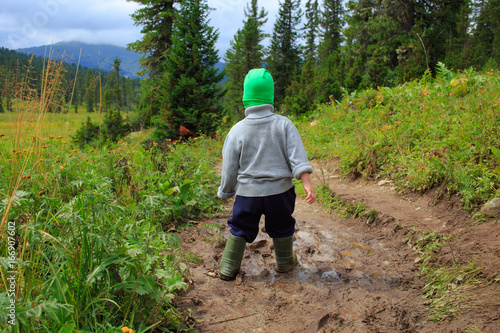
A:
[(98, 224), (245, 53), (190, 92), (445, 286), (88, 235), (438, 133), (345, 208)]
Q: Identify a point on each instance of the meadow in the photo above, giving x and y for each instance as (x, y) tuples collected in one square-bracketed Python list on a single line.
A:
[(88, 234), (87, 242)]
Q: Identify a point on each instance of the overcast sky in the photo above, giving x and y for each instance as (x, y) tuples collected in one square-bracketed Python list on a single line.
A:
[(26, 23)]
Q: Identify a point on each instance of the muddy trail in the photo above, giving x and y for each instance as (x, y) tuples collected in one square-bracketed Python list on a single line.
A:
[(352, 276)]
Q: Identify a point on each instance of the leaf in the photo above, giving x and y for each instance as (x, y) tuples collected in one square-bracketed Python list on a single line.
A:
[(496, 153), (176, 283), (163, 274)]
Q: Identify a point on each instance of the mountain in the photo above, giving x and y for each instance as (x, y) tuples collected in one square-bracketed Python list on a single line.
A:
[(92, 56)]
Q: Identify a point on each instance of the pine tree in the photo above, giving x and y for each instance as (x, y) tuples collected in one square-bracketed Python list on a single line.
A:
[(486, 35), (284, 51), (372, 41), (88, 93), (190, 90), (301, 93), (114, 82), (245, 53), (330, 74), (157, 20), (2, 110)]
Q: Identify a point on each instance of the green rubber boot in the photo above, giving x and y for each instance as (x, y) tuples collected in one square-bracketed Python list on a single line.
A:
[(285, 257), (231, 258)]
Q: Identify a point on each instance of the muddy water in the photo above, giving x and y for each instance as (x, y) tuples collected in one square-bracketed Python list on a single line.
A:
[(320, 253), (344, 282)]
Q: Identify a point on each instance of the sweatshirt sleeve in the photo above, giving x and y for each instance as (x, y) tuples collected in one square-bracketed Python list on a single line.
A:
[(230, 167), (296, 153)]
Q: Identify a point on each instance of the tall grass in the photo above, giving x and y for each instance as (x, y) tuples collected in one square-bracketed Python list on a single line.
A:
[(441, 133), (85, 232)]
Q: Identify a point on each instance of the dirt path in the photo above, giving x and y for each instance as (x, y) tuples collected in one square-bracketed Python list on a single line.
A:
[(352, 277)]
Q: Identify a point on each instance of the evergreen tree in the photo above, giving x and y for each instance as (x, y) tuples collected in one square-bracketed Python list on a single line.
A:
[(89, 83), (190, 90), (2, 110), (284, 51), (114, 82), (486, 35), (330, 74), (301, 93), (311, 29), (157, 20), (372, 40), (245, 53)]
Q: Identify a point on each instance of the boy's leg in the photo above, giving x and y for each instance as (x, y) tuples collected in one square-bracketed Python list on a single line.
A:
[(246, 216), (278, 210), (280, 225), (244, 225)]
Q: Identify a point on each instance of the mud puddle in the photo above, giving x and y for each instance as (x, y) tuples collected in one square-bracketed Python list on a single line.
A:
[(343, 283)]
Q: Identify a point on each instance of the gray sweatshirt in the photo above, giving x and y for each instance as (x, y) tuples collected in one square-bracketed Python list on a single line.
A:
[(261, 155)]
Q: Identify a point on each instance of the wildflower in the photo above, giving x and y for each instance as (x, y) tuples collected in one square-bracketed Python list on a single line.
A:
[(61, 167)]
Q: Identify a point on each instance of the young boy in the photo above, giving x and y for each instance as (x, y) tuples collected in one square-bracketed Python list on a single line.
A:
[(261, 155)]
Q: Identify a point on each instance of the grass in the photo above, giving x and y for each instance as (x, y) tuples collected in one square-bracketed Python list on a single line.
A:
[(55, 124), (447, 288), (88, 235), (441, 133)]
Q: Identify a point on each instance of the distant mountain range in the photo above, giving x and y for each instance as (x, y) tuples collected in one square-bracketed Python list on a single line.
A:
[(93, 56)]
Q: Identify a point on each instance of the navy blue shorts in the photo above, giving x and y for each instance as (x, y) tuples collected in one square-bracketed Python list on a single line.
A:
[(277, 209)]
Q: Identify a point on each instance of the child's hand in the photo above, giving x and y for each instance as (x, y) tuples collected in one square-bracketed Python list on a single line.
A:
[(306, 183), (311, 194)]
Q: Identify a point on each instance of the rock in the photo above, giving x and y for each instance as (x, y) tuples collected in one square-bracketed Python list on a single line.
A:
[(491, 208)]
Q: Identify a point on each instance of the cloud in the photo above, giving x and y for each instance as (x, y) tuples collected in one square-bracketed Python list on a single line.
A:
[(26, 23), (37, 22)]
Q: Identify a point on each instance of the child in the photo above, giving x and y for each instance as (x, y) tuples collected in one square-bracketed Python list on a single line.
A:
[(262, 154)]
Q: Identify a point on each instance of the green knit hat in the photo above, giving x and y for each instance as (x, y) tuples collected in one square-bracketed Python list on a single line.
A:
[(258, 88)]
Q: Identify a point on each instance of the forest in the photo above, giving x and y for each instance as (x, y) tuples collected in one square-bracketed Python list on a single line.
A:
[(80, 89), (318, 52)]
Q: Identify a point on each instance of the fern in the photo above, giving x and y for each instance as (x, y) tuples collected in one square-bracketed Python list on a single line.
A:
[(443, 72)]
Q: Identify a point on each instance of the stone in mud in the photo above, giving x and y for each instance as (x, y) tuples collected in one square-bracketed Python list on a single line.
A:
[(491, 208)]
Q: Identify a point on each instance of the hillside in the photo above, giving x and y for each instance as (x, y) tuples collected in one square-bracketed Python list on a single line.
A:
[(92, 55)]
